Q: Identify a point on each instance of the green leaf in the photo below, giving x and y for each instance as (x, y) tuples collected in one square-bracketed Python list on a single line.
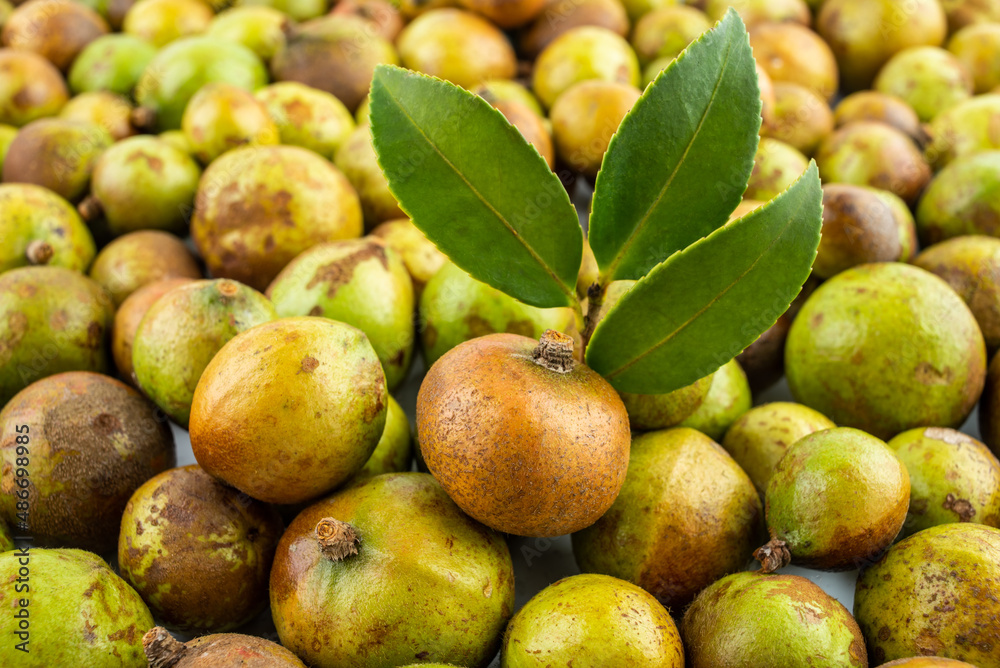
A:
[(705, 304), (475, 187), (681, 158)]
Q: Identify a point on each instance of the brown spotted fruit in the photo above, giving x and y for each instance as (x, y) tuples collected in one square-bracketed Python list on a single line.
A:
[(521, 436), (421, 257), (927, 78), (361, 282), (443, 598), (592, 620), (138, 258), (259, 207), (142, 183), (953, 478), (54, 29), (356, 159), (971, 266), (967, 128), (384, 17), (81, 613), (776, 166), (455, 308), (793, 53), (763, 361), (505, 13), (885, 348), (761, 436), (870, 105), (127, 319), (963, 198), (70, 148), (160, 22), (753, 620), (92, 441), (198, 551), (182, 332), (102, 108), (41, 228), (933, 595), (289, 410), (457, 46), (52, 319), (728, 398), (581, 54), (30, 88), (297, 10), (868, 153), (221, 117), (218, 650), (307, 117), (708, 522), (866, 492), (762, 11)]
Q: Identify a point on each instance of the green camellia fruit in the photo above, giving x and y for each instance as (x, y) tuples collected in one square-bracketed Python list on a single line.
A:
[(257, 28), (139, 258), (977, 47), (357, 160), (221, 117), (81, 613), (361, 282), (394, 451), (591, 620), (927, 78), (967, 128), (307, 117), (886, 348), (728, 398), (39, 227), (112, 62), (964, 198), (776, 166)]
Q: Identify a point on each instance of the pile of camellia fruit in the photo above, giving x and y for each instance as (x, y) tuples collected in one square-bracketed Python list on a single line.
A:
[(517, 333)]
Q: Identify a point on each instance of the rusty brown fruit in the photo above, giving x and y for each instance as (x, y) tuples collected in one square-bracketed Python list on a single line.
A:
[(522, 437), (800, 117), (791, 52), (71, 149), (219, 650), (55, 29)]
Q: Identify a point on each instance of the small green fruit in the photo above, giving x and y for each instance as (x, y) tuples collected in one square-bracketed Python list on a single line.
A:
[(777, 165), (965, 129), (112, 62), (667, 31), (160, 22), (964, 198), (728, 398), (40, 227), (977, 47), (102, 108), (927, 78), (801, 118), (584, 118), (421, 257), (357, 160), (394, 451), (870, 105), (297, 10)]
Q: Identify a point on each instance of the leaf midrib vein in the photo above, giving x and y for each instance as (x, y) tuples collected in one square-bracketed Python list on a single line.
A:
[(666, 186), (694, 317), (481, 197)]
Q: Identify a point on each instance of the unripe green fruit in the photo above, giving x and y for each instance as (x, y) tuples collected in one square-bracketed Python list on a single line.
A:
[(70, 151), (104, 109), (886, 348), (257, 28), (182, 332), (977, 47), (963, 198), (39, 227), (112, 62), (421, 257), (86, 615), (307, 117), (965, 129), (360, 282), (160, 22), (221, 117), (394, 451), (761, 11), (297, 10), (728, 398), (927, 78), (31, 88), (7, 134), (589, 620), (580, 54)]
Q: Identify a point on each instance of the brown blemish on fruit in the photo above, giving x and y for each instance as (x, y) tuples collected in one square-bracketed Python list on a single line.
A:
[(309, 364), (926, 374), (339, 272), (94, 335), (961, 507), (106, 424)]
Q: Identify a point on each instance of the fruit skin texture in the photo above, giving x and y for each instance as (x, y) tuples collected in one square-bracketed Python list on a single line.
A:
[(931, 595), (182, 67), (492, 424), (965, 129), (455, 308), (93, 441), (192, 584), (221, 650), (590, 620), (111, 62), (457, 46), (421, 257), (257, 28), (863, 507), (954, 478), (127, 319), (971, 266), (873, 154), (927, 662), (752, 620), (31, 88), (870, 105), (102, 108), (144, 183), (777, 165), (221, 117), (70, 149), (963, 198), (864, 34), (976, 47), (762, 435), (245, 432), (282, 200), (927, 78), (137, 259), (707, 522), (394, 452), (54, 29), (183, 331), (728, 398), (585, 117), (52, 319), (307, 117), (356, 159), (443, 598), (30, 214), (886, 348), (793, 53), (360, 282), (160, 22), (336, 54), (92, 617), (580, 54)]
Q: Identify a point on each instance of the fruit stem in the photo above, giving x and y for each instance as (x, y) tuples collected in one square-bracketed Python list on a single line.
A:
[(143, 119), (90, 209), (595, 299), (39, 252), (337, 540), (772, 556), (554, 352), (161, 649)]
